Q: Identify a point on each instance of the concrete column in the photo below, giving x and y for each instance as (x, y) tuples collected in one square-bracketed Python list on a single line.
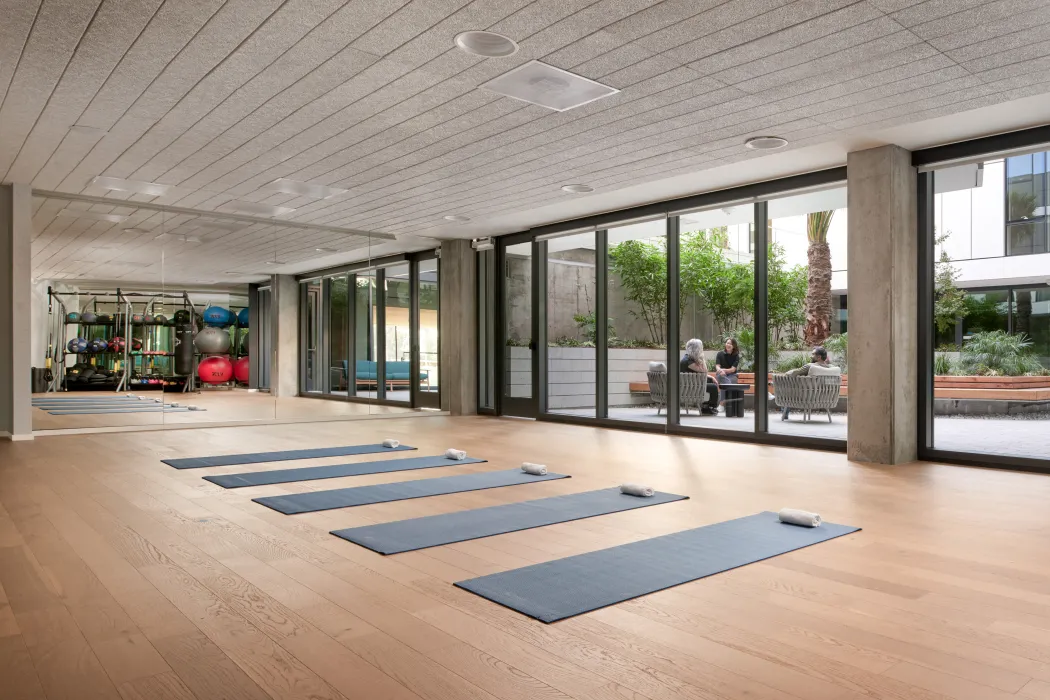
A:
[(459, 328), (16, 235), (284, 373), (883, 307)]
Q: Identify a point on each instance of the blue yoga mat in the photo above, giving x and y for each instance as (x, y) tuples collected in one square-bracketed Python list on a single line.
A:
[(331, 471), (105, 411), (280, 456), (435, 530), (383, 493), (563, 588)]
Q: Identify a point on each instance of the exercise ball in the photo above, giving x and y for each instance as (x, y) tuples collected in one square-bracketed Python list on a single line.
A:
[(160, 320), (216, 316), (148, 319), (242, 318), (73, 317), (77, 345), (244, 342), (240, 370), (215, 370), (212, 341), (182, 316), (136, 319), (116, 344), (99, 345), (88, 317)]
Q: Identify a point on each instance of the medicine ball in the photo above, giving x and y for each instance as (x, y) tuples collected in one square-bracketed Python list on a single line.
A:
[(116, 344), (136, 343), (212, 341), (182, 316), (148, 319), (215, 370), (160, 320), (88, 317), (242, 318), (136, 319), (104, 318), (216, 316), (77, 345), (73, 317), (99, 345), (240, 370)]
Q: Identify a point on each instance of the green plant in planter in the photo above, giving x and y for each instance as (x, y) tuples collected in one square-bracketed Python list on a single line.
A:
[(838, 348), (943, 365), (589, 325), (791, 362), (998, 353)]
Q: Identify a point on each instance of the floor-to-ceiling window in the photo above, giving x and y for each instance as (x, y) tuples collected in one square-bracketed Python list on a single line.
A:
[(986, 308), (428, 380), (571, 324), (806, 333), (312, 336), (397, 378), (338, 335), (486, 296), (516, 380), (366, 332)]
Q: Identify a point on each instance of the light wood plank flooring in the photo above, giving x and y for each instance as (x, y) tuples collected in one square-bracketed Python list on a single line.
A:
[(123, 578)]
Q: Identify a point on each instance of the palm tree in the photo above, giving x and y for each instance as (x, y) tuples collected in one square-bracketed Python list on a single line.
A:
[(818, 292)]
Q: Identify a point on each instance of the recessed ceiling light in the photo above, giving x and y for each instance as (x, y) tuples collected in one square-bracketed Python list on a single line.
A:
[(487, 44), (577, 189), (539, 84), (303, 189), (120, 185), (83, 214), (765, 143), (255, 208), (458, 218)]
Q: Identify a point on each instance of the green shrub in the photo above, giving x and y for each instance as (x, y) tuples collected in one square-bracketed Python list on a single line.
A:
[(998, 353), (943, 365), (838, 350), (790, 362)]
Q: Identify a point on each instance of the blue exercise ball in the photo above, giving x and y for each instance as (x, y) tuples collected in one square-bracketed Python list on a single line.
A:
[(99, 345), (73, 317), (242, 318), (217, 316), (88, 317), (77, 345)]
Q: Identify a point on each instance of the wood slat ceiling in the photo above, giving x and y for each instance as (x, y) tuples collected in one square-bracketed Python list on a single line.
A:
[(220, 98)]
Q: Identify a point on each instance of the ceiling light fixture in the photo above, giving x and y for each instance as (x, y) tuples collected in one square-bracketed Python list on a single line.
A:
[(273, 262), (325, 250), (254, 208), (539, 84), (482, 244), (302, 189), (121, 185), (486, 44), (84, 214), (577, 189), (765, 143), (458, 218)]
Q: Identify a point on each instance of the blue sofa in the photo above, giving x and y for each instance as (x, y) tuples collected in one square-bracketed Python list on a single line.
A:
[(397, 373)]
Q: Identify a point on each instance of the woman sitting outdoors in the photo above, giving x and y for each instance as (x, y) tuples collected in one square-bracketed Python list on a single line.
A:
[(693, 361)]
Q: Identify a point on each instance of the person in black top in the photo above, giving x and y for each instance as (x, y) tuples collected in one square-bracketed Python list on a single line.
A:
[(727, 364), (693, 361)]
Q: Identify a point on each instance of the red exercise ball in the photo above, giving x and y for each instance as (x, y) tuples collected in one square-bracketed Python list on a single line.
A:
[(215, 370), (240, 370)]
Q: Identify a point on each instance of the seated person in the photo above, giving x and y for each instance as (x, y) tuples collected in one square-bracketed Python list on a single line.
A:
[(818, 358), (693, 361), (727, 363)]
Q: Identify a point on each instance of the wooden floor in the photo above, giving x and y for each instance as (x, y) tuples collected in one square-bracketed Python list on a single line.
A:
[(123, 578)]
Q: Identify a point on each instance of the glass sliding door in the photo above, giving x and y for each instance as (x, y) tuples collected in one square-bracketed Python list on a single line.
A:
[(518, 396), (428, 375), (716, 336), (486, 295), (397, 336), (364, 381), (986, 309), (312, 324), (636, 322), (338, 332), (571, 325), (807, 334)]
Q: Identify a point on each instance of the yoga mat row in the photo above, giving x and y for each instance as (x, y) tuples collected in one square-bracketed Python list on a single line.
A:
[(553, 590)]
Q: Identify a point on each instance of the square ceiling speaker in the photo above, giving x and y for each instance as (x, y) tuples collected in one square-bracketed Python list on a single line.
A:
[(548, 87)]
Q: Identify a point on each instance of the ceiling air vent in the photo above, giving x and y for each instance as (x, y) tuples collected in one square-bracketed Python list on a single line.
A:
[(548, 87)]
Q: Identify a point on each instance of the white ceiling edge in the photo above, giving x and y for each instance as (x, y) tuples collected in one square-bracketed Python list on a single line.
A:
[(985, 121), (407, 244)]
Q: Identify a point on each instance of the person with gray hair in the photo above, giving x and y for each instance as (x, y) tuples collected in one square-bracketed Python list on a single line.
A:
[(694, 361)]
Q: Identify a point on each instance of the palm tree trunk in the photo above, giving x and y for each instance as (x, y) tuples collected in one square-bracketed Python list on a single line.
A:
[(818, 295)]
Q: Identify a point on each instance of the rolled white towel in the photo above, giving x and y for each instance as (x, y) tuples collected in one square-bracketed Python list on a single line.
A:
[(174, 404), (637, 490), (793, 516), (657, 367), (391, 442), (534, 469), (453, 453)]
